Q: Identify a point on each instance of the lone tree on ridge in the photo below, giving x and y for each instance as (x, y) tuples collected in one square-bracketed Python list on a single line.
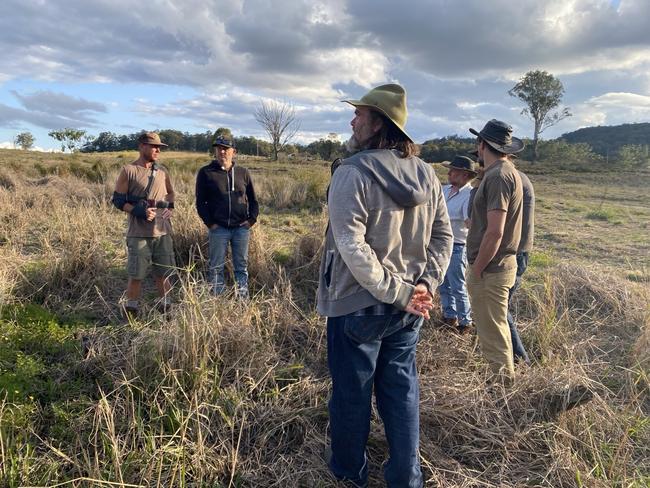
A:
[(279, 121), (25, 140), (541, 92), (69, 138)]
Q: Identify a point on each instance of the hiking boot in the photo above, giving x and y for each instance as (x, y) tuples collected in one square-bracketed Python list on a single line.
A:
[(464, 329), (130, 311)]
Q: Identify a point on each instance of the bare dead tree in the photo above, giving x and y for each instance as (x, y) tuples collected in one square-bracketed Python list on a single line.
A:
[(279, 121)]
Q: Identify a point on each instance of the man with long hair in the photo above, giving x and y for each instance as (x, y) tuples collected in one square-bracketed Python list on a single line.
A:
[(387, 248)]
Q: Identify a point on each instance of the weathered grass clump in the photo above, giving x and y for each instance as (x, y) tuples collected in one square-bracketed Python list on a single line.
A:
[(231, 393)]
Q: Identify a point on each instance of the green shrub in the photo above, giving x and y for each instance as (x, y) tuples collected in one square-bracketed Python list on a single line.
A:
[(603, 214)]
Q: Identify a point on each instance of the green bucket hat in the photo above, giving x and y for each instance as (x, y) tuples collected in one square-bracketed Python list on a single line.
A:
[(389, 100)]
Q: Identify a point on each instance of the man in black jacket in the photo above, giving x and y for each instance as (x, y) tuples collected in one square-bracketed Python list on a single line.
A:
[(225, 201)]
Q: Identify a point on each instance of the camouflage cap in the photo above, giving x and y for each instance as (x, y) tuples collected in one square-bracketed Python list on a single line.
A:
[(151, 138)]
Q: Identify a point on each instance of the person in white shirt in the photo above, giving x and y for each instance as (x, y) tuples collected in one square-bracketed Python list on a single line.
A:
[(456, 310)]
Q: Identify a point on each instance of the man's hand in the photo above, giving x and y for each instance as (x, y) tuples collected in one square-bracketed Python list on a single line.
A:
[(421, 302), (151, 214), (213, 227), (167, 213), (245, 224)]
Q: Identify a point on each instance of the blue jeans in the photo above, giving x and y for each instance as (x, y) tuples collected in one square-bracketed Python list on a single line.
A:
[(518, 349), (453, 292), (379, 350), (218, 240)]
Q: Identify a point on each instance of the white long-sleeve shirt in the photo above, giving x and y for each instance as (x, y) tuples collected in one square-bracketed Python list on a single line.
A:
[(458, 210)]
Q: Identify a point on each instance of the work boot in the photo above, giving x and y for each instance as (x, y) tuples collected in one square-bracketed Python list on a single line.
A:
[(164, 307), (450, 322), (131, 309), (465, 329)]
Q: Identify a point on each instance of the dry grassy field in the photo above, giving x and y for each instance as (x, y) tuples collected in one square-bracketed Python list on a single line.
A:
[(224, 393)]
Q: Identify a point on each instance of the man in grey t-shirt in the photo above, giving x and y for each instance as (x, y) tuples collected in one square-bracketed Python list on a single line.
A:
[(525, 246)]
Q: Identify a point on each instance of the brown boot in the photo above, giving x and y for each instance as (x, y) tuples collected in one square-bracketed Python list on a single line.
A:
[(450, 322), (464, 329)]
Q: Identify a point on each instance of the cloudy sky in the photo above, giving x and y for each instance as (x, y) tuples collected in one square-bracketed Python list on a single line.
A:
[(195, 65)]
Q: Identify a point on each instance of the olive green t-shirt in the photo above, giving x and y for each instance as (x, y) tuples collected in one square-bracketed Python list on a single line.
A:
[(138, 177), (500, 189)]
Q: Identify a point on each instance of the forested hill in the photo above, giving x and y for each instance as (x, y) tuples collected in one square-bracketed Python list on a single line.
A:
[(609, 139)]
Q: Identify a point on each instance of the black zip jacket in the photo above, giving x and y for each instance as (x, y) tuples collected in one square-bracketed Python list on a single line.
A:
[(225, 198)]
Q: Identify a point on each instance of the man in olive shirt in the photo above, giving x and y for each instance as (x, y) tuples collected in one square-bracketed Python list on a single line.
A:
[(493, 241)]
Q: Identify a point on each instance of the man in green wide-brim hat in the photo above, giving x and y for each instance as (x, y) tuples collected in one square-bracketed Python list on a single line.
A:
[(386, 250)]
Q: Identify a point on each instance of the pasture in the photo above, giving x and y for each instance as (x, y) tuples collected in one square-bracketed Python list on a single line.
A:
[(224, 393)]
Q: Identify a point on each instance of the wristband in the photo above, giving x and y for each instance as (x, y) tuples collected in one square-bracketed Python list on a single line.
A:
[(119, 199), (139, 211), (164, 204)]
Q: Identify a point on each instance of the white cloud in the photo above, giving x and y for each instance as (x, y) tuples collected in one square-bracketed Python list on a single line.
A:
[(612, 109), (10, 145), (456, 59), (624, 101)]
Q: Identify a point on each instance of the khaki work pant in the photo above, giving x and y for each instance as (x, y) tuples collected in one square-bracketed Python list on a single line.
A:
[(488, 296)]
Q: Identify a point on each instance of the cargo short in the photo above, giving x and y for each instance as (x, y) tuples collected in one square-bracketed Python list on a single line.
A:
[(145, 251)]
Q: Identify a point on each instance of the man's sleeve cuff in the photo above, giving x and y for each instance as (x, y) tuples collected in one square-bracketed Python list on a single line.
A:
[(427, 282), (404, 295)]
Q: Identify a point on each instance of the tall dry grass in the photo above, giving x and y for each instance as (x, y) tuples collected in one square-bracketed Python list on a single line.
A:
[(226, 393)]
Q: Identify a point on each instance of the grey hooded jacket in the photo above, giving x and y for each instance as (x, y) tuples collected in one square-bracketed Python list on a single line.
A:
[(388, 231)]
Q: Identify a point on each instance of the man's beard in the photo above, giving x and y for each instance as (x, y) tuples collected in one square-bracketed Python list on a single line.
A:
[(352, 145)]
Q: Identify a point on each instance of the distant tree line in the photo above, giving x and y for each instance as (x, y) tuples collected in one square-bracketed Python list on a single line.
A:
[(330, 148), (608, 141), (325, 148)]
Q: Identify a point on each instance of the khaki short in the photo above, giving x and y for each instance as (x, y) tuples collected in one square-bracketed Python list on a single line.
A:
[(145, 251)]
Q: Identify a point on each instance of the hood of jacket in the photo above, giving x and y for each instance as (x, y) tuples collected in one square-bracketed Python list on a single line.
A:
[(408, 181)]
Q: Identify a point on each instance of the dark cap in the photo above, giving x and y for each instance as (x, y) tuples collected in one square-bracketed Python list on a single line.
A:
[(462, 163), (225, 141), (151, 138), (498, 135)]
